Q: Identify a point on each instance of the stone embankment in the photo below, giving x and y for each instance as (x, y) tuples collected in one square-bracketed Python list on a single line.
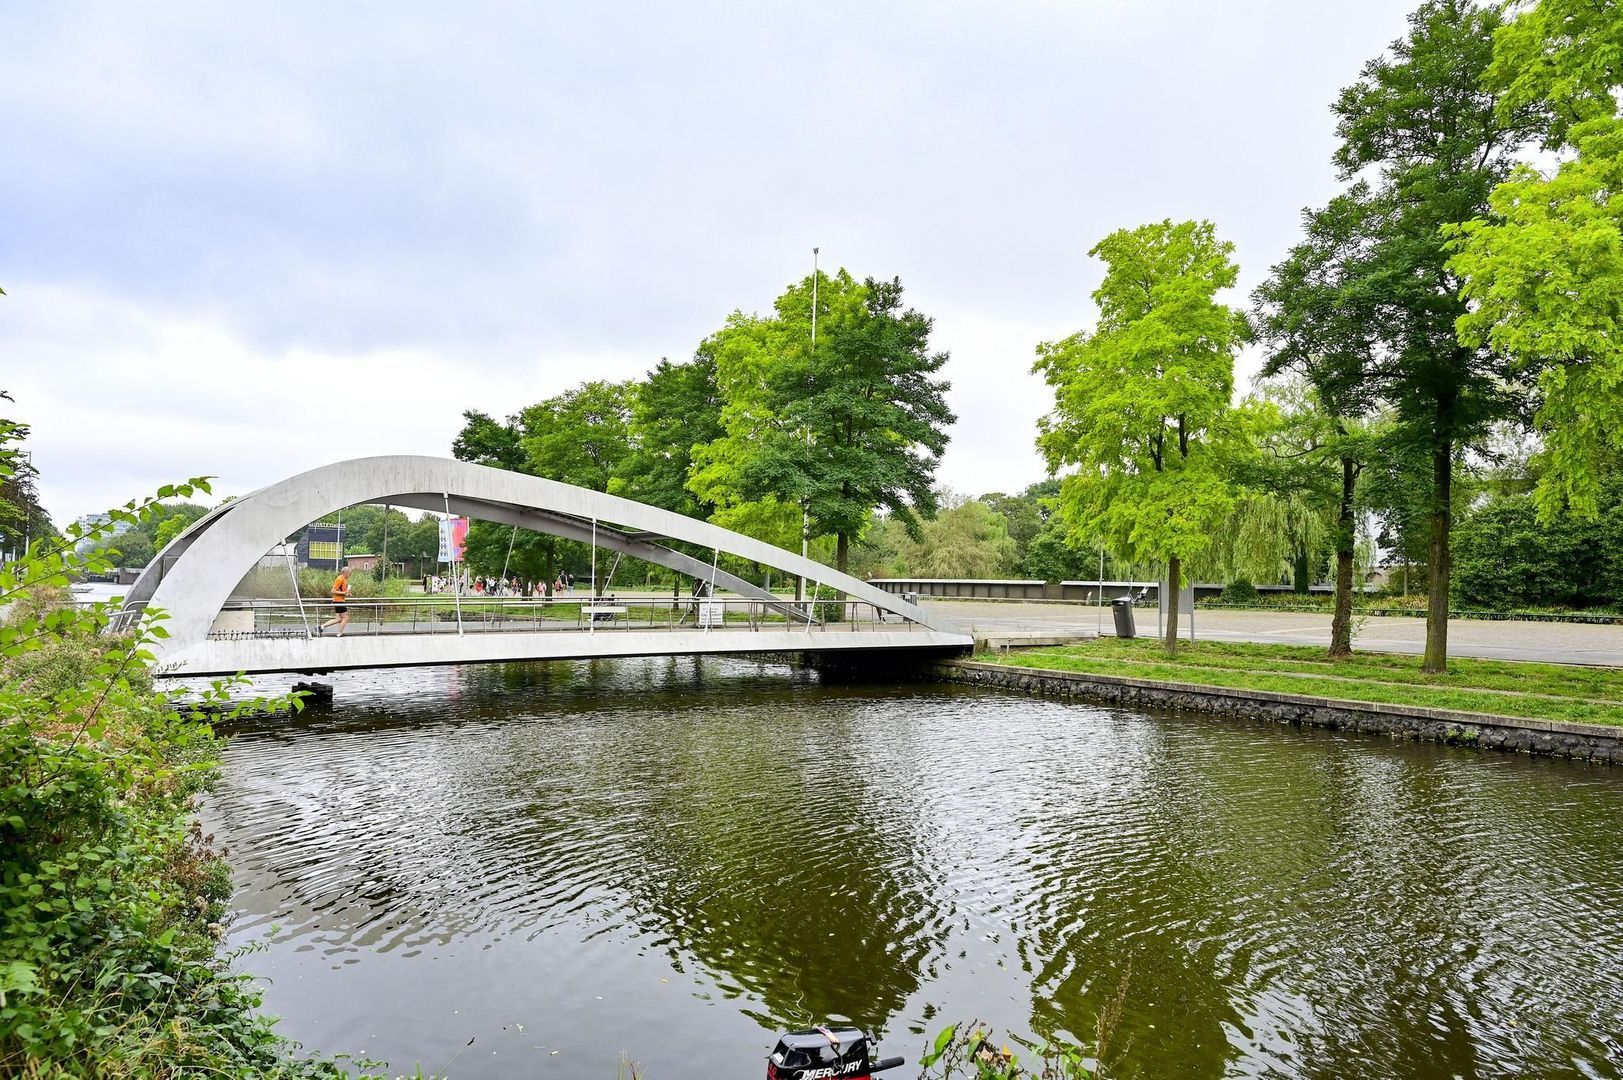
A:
[(1552, 738)]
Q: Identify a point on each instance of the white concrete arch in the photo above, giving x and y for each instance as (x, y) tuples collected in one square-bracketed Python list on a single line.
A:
[(193, 577)]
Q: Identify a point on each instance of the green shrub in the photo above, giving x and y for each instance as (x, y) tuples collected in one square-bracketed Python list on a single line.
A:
[(1240, 591), (1505, 558), (271, 583), (111, 899)]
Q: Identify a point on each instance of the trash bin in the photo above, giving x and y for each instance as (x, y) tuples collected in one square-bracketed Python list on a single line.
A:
[(910, 598), (1121, 609)]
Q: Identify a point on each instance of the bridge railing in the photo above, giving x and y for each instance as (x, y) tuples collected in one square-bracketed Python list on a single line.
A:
[(251, 618)]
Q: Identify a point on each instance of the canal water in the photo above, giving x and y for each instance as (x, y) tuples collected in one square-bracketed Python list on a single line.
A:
[(532, 870)]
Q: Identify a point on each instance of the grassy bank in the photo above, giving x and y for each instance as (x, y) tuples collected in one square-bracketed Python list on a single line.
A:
[(1495, 687)]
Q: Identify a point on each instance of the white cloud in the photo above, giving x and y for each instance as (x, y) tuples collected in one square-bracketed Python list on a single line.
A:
[(123, 398), (211, 211)]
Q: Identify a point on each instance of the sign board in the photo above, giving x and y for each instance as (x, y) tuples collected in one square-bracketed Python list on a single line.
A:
[(453, 539)]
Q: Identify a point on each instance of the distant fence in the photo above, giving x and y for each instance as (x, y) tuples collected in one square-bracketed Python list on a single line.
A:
[(1086, 592)]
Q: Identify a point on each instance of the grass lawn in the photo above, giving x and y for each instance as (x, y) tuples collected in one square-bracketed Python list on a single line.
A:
[(1498, 687)]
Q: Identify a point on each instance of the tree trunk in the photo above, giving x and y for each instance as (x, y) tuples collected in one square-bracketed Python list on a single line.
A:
[(842, 558), (1171, 605), (1301, 573), (1441, 563), (1346, 539)]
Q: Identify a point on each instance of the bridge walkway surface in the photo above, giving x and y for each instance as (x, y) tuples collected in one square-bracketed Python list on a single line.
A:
[(257, 636)]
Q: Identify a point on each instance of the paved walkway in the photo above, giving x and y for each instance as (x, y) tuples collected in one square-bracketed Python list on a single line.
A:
[(1556, 643)]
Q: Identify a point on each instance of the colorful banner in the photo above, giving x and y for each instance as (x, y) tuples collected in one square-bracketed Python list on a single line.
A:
[(453, 539)]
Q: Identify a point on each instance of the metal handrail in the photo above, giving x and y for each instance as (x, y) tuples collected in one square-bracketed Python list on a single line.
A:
[(280, 617)]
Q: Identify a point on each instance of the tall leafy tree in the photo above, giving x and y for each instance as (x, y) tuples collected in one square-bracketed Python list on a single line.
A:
[(484, 440), (580, 437), (1141, 402), (675, 410), (1424, 127), (1542, 270), (855, 423), (22, 518), (1317, 318)]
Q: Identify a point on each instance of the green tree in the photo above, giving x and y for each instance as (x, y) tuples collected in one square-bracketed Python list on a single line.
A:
[(580, 437), (486, 441), (1025, 513), (1512, 556), (1542, 274), (854, 424), (676, 409), (1315, 318), (1425, 125), (1561, 60), (22, 518), (966, 539), (1141, 403)]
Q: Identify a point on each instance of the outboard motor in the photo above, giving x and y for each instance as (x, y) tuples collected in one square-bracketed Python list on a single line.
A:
[(825, 1053)]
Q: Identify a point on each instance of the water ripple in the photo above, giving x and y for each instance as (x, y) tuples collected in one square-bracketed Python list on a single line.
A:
[(673, 835)]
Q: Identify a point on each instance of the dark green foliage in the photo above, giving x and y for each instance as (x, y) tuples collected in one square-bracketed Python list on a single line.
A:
[(877, 413), (675, 409), (856, 423), (22, 518), (1506, 558), (1240, 592), (485, 441)]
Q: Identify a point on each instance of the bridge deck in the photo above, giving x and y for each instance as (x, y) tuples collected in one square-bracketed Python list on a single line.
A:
[(225, 655)]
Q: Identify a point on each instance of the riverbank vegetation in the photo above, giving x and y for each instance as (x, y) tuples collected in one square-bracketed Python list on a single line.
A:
[(1495, 687), (111, 898)]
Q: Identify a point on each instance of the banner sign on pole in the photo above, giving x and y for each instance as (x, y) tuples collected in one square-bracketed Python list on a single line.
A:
[(453, 539)]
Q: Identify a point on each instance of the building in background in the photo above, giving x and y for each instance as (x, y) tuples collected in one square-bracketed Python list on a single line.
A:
[(87, 522)]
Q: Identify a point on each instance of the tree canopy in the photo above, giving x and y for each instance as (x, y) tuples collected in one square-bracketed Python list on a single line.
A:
[(856, 422), (1141, 403)]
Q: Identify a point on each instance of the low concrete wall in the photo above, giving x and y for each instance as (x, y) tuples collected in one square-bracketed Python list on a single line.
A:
[(1552, 738)]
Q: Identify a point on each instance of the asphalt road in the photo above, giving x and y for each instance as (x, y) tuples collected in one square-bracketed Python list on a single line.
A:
[(1556, 643)]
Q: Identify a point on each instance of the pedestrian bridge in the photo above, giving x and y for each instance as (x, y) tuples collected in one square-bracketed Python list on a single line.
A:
[(211, 632)]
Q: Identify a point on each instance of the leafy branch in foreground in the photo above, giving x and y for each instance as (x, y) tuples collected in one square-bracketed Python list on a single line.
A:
[(112, 900)]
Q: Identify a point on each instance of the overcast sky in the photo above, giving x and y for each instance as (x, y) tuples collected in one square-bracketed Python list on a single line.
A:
[(248, 240)]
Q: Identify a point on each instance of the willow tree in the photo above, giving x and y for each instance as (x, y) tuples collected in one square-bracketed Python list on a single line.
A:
[(1141, 403)]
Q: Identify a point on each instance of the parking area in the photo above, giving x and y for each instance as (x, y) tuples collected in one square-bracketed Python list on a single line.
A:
[(1547, 642)]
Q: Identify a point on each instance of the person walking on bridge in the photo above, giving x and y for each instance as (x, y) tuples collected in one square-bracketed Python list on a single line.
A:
[(340, 605)]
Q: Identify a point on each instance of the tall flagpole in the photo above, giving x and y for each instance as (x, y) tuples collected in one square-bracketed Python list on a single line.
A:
[(805, 510)]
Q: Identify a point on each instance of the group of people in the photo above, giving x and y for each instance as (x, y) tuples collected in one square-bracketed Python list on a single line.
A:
[(495, 586)]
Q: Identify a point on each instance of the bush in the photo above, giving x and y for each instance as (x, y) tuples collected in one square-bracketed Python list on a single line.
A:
[(266, 583), (1240, 591), (111, 899), (1505, 558)]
